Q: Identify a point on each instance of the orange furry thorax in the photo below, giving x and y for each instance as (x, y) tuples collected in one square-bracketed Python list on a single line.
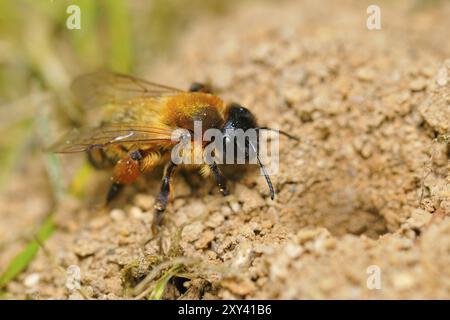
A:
[(183, 109)]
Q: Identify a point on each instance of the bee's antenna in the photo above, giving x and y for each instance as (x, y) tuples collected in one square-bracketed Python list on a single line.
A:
[(280, 132), (269, 182)]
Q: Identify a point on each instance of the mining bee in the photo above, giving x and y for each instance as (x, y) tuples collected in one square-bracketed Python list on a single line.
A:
[(137, 122)]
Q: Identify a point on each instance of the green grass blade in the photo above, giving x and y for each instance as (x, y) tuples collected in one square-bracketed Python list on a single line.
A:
[(53, 167), (23, 259), (161, 284), (51, 161)]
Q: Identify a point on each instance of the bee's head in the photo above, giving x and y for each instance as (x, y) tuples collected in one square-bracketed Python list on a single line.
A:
[(239, 122), (238, 117)]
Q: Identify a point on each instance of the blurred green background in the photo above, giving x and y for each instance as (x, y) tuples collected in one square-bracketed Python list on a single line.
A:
[(37, 47), (39, 57)]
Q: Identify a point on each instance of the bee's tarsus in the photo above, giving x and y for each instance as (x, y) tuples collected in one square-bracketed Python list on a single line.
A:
[(220, 179), (163, 196), (114, 190), (156, 225)]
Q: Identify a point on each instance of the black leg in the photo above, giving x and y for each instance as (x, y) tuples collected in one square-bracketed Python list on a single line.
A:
[(220, 179), (200, 87), (114, 190), (163, 197)]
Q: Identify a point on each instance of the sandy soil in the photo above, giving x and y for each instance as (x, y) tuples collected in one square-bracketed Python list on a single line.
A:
[(368, 185)]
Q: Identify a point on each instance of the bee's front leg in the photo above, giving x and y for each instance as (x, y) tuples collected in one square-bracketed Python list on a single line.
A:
[(163, 197), (220, 179), (200, 87)]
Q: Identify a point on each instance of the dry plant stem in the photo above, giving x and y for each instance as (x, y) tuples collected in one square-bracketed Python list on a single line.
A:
[(141, 289)]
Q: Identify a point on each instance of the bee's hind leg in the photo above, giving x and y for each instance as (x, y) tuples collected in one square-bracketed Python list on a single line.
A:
[(163, 197), (200, 87), (126, 171)]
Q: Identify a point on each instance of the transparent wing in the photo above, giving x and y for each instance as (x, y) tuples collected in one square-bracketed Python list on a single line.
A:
[(79, 140), (100, 88)]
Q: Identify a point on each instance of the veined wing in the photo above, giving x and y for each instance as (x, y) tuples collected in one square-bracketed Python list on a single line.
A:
[(100, 88), (112, 134)]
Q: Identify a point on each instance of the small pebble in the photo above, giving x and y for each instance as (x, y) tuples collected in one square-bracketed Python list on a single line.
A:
[(442, 76), (117, 214), (32, 280), (418, 84)]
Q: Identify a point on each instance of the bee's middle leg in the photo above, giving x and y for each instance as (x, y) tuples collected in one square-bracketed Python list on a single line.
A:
[(163, 197)]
